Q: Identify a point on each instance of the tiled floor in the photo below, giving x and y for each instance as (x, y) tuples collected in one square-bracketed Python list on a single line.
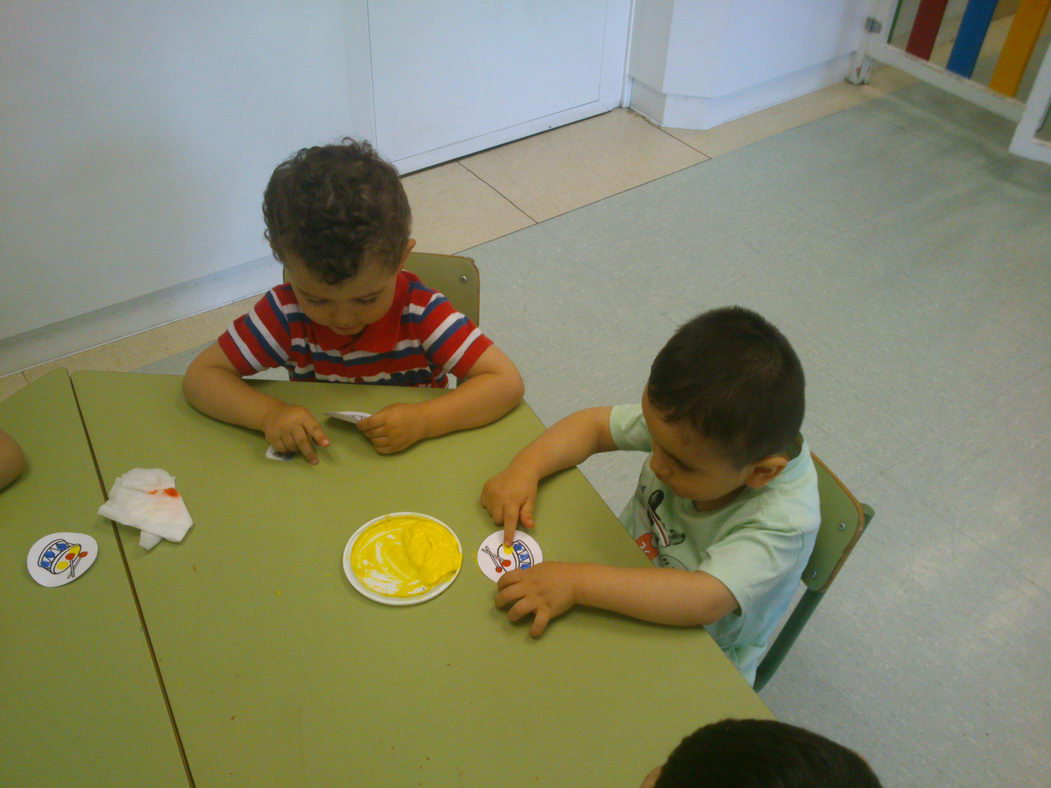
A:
[(907, 256)]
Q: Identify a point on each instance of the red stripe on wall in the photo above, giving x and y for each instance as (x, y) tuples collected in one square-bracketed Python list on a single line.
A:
[(925, 28)]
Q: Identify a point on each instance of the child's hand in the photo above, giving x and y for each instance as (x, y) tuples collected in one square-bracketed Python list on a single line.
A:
[(394, 428), (293, 428), (547, 590), (509, 498)]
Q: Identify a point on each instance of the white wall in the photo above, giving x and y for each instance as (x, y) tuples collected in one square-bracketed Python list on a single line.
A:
[(137, 138), (699, 63)]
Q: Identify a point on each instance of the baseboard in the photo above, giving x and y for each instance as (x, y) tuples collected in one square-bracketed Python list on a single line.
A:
[(705, 112), (79, 333)]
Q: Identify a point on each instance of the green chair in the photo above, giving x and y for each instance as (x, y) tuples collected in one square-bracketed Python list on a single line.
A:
[(453, 276), (843, 520)]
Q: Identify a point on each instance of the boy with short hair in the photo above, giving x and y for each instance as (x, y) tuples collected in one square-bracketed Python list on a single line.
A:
[(338, 218), (726, 506), (760, 754)]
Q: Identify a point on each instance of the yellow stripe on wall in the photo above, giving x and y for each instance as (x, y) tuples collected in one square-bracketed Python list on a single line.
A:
[(1025, 30)]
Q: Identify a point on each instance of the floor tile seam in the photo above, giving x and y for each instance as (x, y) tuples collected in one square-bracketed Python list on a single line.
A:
[(985, 406), (614, 195), (653, 124), (736, 279), (503, 196), (663, 130), (1004, 321), (1044, 590), (1011, 570), (900, 274)]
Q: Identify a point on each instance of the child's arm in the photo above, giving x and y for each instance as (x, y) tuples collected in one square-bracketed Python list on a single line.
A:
[(510, 496), (489, 390), (12, 461), (214, 386), (663, 596)]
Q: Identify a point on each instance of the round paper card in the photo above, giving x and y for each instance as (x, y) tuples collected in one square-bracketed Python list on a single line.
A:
[(402, 558), (57, 559), (495, 558)]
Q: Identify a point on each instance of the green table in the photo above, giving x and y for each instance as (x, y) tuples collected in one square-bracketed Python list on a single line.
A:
[(80, 701), (279, 673)]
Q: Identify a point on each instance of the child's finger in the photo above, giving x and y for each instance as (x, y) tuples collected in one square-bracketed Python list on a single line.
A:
[(373, 422), (522, 608), (508, 579), (318, 434), (540, 622), (302, 440), (526, 515), (510, 524), (495, 511)]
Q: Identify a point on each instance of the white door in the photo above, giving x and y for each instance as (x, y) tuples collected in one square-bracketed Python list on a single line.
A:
[(454, 77)]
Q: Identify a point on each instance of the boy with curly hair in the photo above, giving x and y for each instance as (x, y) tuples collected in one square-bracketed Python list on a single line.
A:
[(338, 218)]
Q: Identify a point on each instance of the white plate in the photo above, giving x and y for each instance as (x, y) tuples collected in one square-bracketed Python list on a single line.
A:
[(384, 599)]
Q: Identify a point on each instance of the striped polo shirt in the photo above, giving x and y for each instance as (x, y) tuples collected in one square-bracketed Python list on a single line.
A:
[(419, 342)]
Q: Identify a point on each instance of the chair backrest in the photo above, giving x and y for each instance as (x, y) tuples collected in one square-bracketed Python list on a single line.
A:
[(843, 520), (453, 276)]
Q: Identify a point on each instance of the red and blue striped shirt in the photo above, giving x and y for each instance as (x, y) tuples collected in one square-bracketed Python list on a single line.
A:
[(419, 342)]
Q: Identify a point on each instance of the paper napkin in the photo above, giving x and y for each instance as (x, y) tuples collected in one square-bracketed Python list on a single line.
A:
[(146, 498)]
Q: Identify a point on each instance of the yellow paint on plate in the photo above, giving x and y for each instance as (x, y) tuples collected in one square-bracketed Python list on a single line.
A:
[(404, 556)]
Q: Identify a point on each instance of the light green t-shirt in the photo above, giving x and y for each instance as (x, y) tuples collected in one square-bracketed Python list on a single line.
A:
[(757, 545)]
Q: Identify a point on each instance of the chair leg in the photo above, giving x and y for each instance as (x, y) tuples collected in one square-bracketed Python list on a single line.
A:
[(789, 632)]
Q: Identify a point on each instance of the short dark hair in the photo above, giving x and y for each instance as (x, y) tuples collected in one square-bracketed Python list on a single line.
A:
[(334, 205), (734, 379), (763, 754)]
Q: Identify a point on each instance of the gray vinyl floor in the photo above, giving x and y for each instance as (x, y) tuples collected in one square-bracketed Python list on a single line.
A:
[(908, 258)]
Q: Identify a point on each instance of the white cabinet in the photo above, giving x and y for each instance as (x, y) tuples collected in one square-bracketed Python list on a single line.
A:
[(700, 63)]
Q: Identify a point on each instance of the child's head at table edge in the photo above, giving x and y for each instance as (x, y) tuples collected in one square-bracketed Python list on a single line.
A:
[(724, 404), (760, 754), (338, 217)]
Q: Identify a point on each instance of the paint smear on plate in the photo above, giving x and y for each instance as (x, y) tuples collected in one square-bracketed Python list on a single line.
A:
[(405, 556)]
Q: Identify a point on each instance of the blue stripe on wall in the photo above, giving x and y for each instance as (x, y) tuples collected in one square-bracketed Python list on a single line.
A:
[(969, 38)]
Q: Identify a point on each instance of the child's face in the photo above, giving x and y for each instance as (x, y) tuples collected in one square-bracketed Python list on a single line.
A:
[(349, 306), (690, 465)]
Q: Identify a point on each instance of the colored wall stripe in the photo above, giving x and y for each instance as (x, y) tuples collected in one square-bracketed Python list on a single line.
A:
[(925, 28), (1018, 48), (894, 21), (969, 38)]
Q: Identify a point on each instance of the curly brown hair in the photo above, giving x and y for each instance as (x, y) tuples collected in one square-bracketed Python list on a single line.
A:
[(336, 206)]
